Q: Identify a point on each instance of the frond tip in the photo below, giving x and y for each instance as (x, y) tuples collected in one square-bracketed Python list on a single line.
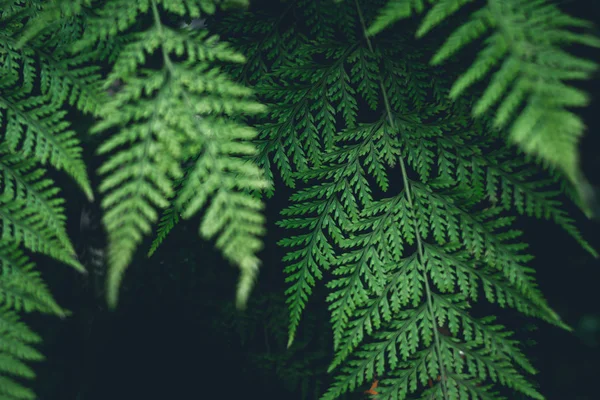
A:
[(248, 273)]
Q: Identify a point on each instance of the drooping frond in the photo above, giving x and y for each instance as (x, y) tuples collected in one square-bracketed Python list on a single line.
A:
[(37, 79), (16, 344), (183, 109), (403, 204), (21, 286), (35, 124), (35, 133), (22, 180)]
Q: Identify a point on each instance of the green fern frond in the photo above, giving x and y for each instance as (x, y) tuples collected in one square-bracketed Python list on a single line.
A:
[(169, 115), (370, 292), (35, 83), (510, 182), (70, 79), (327, 209), (21, 224), (405, 205), (110, 20), (401, 345), (306, 98), (35, 126), (50, 14), (21, 287), (16, 344), (171, 216), (47, 37), (22, 180), (36, 129), (167, 222), (308, 113), (500, 175), (405, 265)]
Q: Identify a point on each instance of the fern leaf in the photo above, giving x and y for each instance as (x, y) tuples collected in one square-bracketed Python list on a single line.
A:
[(35, 128), (23, 181), (16, 344), (21, 287), (171, 114), (21, 224)]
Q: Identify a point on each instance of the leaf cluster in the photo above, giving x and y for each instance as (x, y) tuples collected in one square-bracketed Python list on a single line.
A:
[(405, 195)]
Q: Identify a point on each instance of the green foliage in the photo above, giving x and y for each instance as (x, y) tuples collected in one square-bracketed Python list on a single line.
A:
[(397, 267), (404, 204), (36, 79), (16, 341), (186, 107), (524, 40), (51, 55)]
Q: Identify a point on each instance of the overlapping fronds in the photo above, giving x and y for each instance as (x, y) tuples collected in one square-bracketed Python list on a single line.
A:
[(524, 46), (37, 79), (404, 202), (402, 267)]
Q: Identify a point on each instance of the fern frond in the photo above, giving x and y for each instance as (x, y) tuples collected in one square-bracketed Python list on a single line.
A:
[(327, 209), (22, 180), (303, 113), (21, 224), (34, 86), (21, 287), (47, 37), (405, 206), (110, 20), (406, 265), (306, 98), (183, 110), (401, 346), (49, 15), (35, 126), (499, 175), (16, 344), (167, 222), (234, 214)]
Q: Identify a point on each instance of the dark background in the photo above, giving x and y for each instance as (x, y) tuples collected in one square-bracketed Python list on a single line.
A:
[(175, 333)]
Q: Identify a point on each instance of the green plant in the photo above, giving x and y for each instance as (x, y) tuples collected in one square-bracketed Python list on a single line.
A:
[(403, 204)]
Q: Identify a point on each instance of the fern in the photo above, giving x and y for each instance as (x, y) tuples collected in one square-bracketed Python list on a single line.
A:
[(36, 79), (168, 114), (16, 344), (407, 263), (21, 286), (524, 39), (404, 204)]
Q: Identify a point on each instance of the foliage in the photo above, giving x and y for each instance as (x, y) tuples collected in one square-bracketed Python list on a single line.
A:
[(401, 265), (186, 108), (36, 79), (526, 40), (404, 204)]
